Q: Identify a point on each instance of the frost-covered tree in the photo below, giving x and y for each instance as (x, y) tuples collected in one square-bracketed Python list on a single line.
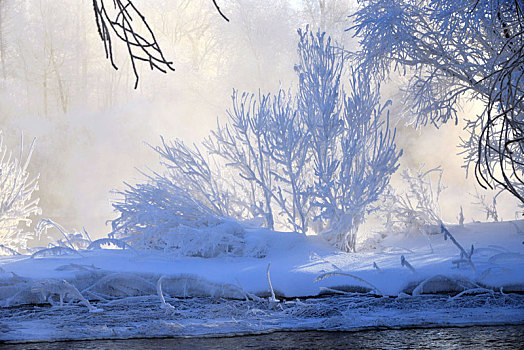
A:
[(416, 209), (368, 159), (16, 204), (320, 103), (288, 143), (352, 147), (328, 16), (192, 171), (453, 50), (321, 155), (326, 156), (243, 144)]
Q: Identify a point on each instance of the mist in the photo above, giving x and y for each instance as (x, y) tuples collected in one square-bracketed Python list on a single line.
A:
[(93, 128)]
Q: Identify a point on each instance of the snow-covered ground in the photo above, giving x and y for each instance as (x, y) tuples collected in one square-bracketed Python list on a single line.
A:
[(125, 288)]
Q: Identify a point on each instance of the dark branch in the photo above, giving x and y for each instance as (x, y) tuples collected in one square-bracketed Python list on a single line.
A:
[(219, 11), (125, 22)]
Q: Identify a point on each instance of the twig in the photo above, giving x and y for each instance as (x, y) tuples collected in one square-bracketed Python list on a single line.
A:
[(330, 274), (474, 291), (404, 262), (45, 223), (165, 305), (273, 298), (463, 252), (219, 11), (141, 46)]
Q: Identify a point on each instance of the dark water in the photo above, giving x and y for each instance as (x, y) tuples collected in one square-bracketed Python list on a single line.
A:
[(478, 337)]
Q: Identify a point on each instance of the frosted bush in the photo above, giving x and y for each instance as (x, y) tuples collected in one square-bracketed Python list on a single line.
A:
[(417, 210), (223, 239), (158, 205), (108, 242), (488, 206), (161, 215), (73, 240), (16, 204)]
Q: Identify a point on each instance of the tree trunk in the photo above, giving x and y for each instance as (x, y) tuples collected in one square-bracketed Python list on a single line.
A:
[(2, 48), (61, 91), (44, 91)]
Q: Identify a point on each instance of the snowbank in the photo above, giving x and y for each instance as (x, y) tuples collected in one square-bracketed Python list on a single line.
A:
[(296, 261)]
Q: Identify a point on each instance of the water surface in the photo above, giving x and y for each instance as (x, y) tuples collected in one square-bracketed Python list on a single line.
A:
[(477, 337)]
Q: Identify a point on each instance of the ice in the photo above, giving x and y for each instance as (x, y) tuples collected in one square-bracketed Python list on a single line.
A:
[(145, 317)]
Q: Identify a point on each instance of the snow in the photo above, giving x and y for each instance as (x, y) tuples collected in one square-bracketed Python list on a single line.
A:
[(144, 317), (114, 277)]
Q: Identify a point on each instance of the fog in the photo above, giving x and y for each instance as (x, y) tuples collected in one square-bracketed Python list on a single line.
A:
[(92, 127)]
